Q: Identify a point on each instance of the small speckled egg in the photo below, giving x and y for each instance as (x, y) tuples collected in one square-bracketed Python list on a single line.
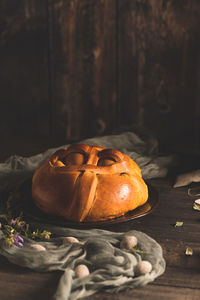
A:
[(143, 267), (81, 271), (128, 242), (70, 240), (37, 247)]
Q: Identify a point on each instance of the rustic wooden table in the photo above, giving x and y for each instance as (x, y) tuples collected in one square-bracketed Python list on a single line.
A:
[(181, 278)]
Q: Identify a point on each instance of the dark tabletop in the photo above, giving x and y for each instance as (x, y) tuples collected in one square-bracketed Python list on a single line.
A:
[(181, 279)]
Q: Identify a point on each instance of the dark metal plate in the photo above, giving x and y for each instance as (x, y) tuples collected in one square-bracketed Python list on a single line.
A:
[(27, 207)]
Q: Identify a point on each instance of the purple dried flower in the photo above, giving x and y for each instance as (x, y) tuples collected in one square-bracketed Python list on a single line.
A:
[(13, 222), (17, 223), (18, 240)]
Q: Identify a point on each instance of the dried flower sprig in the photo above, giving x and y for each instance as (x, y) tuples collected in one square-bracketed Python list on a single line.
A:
[(178, 224), (11, 236), (137, 250), (15, 229), (41, 235), (188, 251)]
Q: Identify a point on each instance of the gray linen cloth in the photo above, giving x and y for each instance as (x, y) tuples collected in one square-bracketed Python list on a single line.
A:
[(187, 178), (143, 150), (111, 268)]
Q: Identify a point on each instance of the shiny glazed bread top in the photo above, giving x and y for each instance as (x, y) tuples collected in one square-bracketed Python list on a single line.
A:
[(88, 183)]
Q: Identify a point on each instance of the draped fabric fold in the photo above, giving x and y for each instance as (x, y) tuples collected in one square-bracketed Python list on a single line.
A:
[(111, 268)]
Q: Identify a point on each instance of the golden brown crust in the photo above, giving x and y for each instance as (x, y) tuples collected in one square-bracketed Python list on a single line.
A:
[(88, 183)]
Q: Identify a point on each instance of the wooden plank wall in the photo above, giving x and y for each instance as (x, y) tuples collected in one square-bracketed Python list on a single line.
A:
[(159, 46), (23, 68), (83, 60), (78, 68)]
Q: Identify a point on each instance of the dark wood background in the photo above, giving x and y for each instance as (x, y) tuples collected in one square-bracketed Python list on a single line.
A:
[(76, 68)]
